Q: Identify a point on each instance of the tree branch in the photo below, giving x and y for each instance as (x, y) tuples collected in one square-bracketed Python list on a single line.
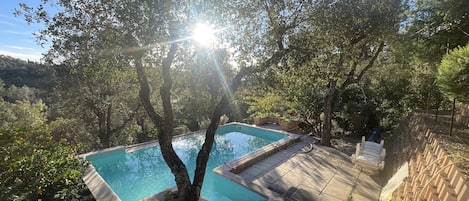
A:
[(372, 61), (351, 75), (125, 122), (165, 92), (203, 155), (165, 127), (204, 152), (144, 93)]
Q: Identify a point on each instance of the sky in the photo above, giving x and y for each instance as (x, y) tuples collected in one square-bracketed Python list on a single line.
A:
[(16, 38), (16, 35)]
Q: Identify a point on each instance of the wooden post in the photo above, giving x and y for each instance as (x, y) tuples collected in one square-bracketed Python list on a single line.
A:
[(452, 117), (428, 102)]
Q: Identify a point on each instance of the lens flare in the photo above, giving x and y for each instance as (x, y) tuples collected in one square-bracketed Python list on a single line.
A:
[(204, 34)]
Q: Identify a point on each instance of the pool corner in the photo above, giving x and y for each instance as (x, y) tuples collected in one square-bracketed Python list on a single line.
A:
[(231, 170), (97, 186)]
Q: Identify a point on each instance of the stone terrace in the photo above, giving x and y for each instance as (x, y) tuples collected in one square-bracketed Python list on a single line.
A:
[(304, 171)]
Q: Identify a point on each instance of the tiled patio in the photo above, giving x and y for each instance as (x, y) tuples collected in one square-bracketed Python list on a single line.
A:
[(308, 172)]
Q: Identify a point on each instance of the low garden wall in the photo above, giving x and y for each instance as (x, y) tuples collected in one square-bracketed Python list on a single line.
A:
[(433, 172)]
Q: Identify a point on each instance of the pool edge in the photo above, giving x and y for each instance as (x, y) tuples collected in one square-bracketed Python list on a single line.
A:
[(107, 150), (97, 186), (144, 145), (102, 191), (230, 170)]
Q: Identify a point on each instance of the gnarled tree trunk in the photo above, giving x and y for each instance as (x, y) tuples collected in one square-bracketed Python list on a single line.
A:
[(334, 92), (330, 104), (186, 190), (104, 125)]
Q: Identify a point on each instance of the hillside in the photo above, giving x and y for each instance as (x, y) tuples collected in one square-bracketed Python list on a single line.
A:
[(20, 73)]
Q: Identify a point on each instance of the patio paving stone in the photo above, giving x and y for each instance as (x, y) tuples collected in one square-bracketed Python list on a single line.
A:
[(299, 173)]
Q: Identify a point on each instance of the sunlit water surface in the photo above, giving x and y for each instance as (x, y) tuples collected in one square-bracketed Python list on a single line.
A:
[(139, 174)]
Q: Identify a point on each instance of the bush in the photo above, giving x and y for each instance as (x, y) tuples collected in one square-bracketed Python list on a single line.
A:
[(356, 114), (360, 119), (33, 166), (453, 74), (271, 105)]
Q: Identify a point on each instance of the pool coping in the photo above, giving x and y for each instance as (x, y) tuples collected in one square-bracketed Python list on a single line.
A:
[(107, 150), (241, 163), (99, 187)]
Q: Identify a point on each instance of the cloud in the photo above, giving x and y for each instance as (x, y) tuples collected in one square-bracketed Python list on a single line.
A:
[(12, 18), (7, 23), (27, 33), (34, 56), (19, 47), (18, 22)]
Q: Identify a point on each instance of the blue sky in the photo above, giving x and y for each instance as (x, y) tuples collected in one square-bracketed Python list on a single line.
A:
[(16, 38)]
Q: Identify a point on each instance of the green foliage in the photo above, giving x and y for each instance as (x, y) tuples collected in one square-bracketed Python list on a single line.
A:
[(74, 132), (453, 74), (325, 49), (22, 114), (363, 119), (307, 93), (430, 29), (436, 26), (2, 87), (33, 166), (101, 93), (14, 93), (199, 85), (423, 91), (20, 73), (390, 87), (338, 44), (271, 105), (358, 114)]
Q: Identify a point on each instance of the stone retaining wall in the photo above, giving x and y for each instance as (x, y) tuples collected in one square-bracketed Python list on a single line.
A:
[(433, 174)]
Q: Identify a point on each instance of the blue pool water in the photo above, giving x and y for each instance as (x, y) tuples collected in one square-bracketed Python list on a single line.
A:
[(136, 175)]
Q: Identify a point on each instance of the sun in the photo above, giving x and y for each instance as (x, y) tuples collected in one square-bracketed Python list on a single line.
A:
[(204, 34)]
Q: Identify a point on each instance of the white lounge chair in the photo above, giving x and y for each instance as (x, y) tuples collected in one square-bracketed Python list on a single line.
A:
[(369, 155)]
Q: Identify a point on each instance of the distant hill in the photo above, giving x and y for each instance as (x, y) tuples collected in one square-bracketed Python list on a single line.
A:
[(20, 73)]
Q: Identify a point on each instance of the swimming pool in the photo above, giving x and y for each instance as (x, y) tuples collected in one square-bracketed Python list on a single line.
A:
[(141, 173)]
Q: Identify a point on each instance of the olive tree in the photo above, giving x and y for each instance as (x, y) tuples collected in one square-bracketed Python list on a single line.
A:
[(148, 35), (340, 44)]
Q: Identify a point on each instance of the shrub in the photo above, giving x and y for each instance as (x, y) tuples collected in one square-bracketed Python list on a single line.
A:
[(453, 74), (34, 166)]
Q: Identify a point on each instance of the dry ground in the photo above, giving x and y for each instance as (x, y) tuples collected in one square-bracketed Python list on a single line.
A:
[(457, 143)]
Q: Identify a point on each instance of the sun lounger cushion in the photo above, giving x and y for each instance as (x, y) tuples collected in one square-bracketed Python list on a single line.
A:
[(370, 155)]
